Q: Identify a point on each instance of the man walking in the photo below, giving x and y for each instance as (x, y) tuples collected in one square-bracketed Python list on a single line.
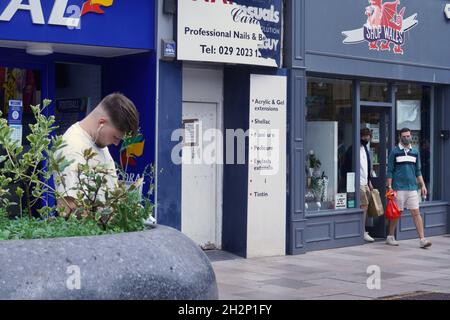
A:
[(365, 177), (403, 175)]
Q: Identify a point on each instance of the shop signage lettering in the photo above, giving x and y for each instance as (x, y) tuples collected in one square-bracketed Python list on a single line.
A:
[(57, 15), (239, 31), (385, 25), (254, 15)]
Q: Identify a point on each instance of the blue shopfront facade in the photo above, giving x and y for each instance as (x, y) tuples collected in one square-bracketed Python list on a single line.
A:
[(349, 69), (74, 53)]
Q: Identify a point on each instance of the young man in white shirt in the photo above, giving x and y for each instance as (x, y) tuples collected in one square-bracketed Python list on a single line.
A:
[(107, 124), (365, 177)]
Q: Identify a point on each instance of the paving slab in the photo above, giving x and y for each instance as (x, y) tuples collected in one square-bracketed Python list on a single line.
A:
[(336, 274)]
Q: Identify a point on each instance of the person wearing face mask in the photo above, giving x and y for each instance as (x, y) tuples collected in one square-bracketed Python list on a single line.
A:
[(403, 175), (107, 124), (365, 177)]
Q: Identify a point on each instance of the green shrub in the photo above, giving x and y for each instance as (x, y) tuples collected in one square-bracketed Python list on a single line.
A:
[(26, 228)]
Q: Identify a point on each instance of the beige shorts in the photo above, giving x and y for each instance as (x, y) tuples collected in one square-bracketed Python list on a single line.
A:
[(407, 200), (364, 195)]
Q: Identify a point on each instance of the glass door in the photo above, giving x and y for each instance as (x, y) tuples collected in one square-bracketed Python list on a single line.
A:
[(378, 121), (20, 87)]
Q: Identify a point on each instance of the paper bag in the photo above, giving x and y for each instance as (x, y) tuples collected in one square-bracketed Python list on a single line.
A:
[(375, 205)]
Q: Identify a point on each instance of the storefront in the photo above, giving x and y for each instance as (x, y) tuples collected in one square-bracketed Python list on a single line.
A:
[(218, 102), (379, 65), (74, 53)]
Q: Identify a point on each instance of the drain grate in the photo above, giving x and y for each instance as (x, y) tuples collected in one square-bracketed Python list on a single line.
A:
[(219, 255), (419, 295)]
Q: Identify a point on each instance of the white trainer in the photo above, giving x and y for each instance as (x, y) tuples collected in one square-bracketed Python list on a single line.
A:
[(150, 221), (424, 243), (390, 240), (368, 238)]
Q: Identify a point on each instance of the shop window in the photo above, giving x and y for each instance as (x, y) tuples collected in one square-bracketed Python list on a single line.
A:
[(78, 90), (23, 85), (414, 111), (374, 92), (330, 181)]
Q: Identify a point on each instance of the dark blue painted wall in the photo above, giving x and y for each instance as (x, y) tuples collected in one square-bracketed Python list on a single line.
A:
[(135, 76), (445, 100), (424, 43), (235, 176), (169, 119), (425, 55)]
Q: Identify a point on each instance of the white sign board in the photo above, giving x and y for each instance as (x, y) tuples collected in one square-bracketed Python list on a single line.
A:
[(376, 135), (350, 182), (17, 133), (191, 132), (341, 201), (223, 31), (266, 221), (408, 114), (447, 10)]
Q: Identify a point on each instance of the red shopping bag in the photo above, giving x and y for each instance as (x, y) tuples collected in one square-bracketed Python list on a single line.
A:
[(392, 210)]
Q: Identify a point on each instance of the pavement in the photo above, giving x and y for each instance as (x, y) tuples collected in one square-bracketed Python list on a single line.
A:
[(349, 273)]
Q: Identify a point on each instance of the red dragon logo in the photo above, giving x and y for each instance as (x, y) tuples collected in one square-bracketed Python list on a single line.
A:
[(385, 15), (385, 25)]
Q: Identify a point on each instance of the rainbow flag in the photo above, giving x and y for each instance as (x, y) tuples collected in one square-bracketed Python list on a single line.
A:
[(95, 6)]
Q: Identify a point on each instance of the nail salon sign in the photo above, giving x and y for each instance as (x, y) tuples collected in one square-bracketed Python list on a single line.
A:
[(230, 31), (386, 25)]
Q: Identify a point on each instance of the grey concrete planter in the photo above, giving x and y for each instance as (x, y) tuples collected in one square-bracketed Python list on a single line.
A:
[(161, 263)]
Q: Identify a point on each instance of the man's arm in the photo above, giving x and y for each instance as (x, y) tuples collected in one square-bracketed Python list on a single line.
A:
[(419, 177), (423, 188), (390, 170), (389, 183)]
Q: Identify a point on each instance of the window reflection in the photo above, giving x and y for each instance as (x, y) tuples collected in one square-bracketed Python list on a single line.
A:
[(413, 110), (374, 92), (329, 138)]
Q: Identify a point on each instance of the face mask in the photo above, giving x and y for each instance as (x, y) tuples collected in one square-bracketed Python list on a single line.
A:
[(364, 142), (406, 141)]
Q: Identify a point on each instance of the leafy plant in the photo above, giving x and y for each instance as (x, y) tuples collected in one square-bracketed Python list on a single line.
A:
[(120, 206), (25, 228), (29, 169), (131, 213), (312, 161)]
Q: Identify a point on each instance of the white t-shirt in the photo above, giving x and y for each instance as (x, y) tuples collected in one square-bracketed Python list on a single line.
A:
[(78, 141), (363, 171)]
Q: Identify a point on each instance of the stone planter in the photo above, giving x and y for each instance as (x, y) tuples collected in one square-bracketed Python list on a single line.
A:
[(160, 263)]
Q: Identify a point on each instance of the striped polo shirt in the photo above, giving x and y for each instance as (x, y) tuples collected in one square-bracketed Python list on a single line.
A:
[(404, 168)]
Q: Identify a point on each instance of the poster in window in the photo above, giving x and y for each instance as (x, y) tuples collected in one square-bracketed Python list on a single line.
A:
[(191, 132), (375, 135), (408, 114), (341, 201)]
